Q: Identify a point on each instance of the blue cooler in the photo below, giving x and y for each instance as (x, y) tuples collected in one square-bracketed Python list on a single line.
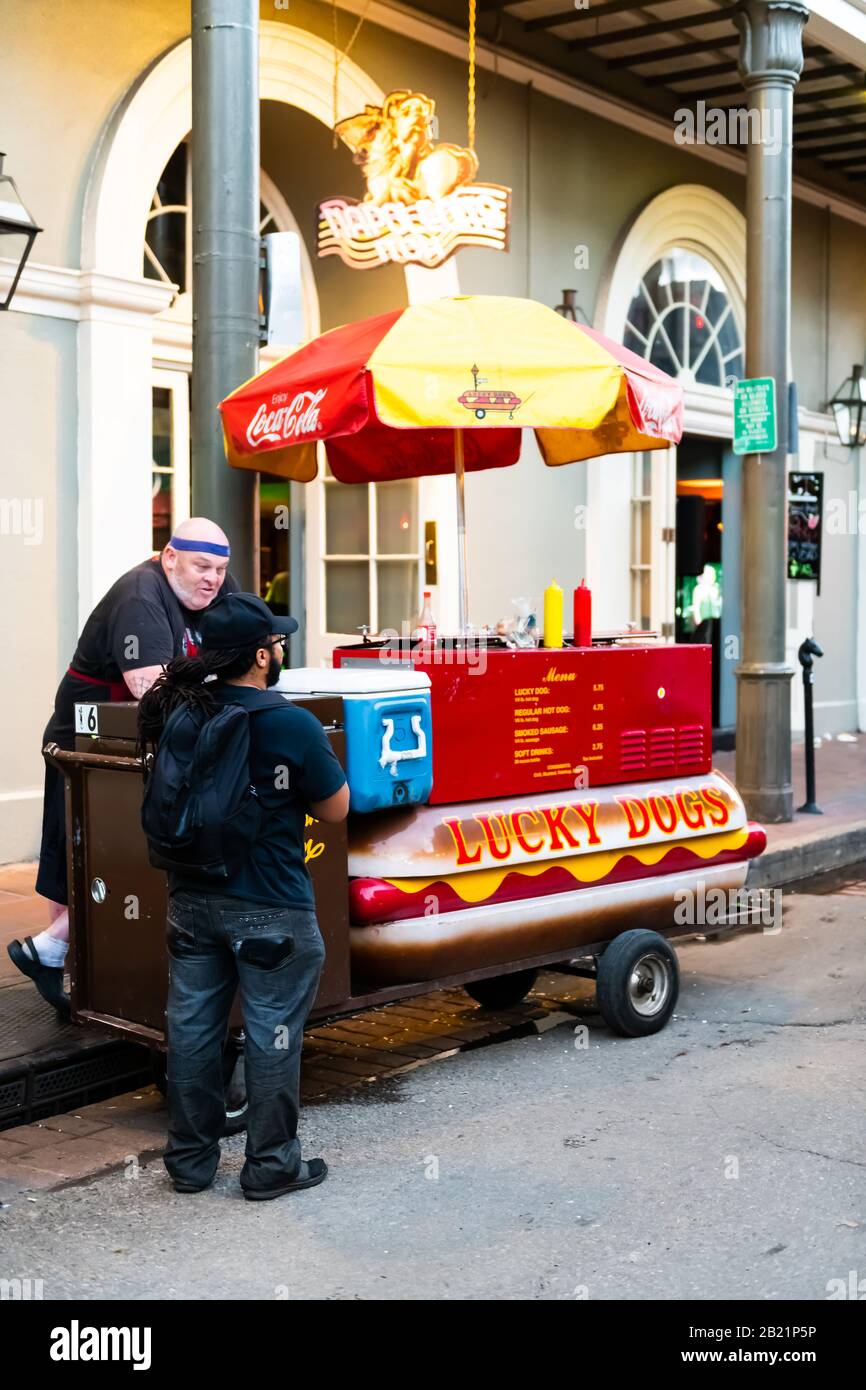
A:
[(386, 712)]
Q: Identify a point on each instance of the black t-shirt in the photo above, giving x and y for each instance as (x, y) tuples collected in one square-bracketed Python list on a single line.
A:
[(139, 622), (291, 764), (140, 605)]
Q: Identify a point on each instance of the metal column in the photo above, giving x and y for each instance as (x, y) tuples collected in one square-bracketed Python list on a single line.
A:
[(771, 59), (225, 242)]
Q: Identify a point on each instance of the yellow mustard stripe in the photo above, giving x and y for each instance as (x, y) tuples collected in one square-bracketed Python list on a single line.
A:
[(478, 884)]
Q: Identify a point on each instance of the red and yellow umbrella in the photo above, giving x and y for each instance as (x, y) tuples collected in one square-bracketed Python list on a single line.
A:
[(448, 386)]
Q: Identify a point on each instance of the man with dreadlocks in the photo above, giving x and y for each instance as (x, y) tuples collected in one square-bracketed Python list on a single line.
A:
[(148, 616), (259, 931)]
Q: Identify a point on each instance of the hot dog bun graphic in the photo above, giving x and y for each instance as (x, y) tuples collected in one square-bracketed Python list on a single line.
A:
[(442, 889)]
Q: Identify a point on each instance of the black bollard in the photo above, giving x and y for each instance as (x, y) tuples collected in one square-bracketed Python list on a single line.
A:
[(808, 651)]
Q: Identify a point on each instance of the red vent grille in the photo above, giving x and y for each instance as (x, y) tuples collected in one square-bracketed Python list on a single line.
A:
[(662, 747), (690, 744), (632, 750)]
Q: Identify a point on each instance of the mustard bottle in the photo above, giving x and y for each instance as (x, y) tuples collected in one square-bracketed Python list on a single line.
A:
[(553, 615)]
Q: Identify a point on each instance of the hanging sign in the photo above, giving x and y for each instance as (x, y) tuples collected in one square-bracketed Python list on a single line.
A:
[(805, 495), (755, 416), (421, 202)]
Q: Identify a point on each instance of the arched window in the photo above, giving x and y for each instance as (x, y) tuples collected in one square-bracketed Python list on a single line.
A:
[(168, 236), (681, 318)]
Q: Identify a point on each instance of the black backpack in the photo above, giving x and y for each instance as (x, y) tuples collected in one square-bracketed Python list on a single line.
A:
[(200, 812)]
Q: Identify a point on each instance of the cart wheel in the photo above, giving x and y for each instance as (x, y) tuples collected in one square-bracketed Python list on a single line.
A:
[(233, 1080), (480, 414), (502, 991), (638, 983)]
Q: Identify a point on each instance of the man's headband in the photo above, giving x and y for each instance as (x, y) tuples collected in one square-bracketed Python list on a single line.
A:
[(210, 547)]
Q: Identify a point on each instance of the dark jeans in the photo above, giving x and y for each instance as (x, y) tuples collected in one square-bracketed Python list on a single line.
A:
[(275, 954)]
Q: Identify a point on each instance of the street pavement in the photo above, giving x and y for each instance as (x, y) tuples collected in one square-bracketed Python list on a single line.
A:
[(723, 1158)]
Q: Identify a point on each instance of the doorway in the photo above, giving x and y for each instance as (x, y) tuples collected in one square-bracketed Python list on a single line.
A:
[(707, 600)]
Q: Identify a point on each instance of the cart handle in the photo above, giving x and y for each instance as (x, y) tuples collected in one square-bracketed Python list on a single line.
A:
[(59, 757)]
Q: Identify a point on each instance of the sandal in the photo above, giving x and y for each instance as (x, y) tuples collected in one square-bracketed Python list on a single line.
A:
[(309, 1175), (48, 979)]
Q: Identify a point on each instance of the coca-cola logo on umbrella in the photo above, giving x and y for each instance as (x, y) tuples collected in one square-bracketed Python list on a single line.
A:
[(300, 417), (656, 406)]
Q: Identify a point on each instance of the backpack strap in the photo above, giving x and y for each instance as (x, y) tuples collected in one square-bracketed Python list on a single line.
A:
[(268, 699)]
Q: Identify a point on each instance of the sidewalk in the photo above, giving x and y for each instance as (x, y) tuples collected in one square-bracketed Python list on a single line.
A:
[(812, 844)]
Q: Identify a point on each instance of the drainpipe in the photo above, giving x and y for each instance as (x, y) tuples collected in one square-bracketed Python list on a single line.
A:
[(770, 63), (225, 245)]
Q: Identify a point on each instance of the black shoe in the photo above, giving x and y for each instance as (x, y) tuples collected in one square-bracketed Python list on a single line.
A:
[(48, 979), (309, 1175), (181, 1186)]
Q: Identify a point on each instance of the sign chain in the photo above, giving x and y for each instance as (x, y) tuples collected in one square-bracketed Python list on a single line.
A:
[(338, 56), (471, 112)]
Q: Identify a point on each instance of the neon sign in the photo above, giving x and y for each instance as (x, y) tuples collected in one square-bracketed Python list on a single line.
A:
[(421, 202)]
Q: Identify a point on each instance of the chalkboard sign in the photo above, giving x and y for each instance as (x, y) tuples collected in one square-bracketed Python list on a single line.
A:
[(805, 505)]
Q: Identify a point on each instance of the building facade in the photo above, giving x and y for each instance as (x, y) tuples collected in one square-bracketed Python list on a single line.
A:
[(649, 232)]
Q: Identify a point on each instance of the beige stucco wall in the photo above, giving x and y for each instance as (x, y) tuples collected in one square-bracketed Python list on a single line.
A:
[(38, 564), (63, 67)]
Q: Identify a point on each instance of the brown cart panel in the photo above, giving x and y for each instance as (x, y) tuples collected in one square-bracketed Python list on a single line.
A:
[(118, 961)]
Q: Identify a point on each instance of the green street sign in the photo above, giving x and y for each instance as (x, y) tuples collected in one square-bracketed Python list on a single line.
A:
[(755, 416)]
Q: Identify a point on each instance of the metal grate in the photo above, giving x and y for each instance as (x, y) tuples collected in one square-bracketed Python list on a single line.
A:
[(79, 1076), (29, 1025), (662, 747), (632, 750), (690, 744), (12, 1095), (110, 1070)]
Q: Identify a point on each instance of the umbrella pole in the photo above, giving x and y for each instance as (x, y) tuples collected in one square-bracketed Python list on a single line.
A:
[(461, 531)]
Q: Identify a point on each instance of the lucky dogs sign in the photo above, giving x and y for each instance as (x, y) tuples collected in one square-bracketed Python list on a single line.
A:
[(421, 202), (552, 830), (487, 852)]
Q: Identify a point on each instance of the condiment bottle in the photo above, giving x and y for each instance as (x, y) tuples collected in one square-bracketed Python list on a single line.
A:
[(582, 616), (553, 615), (425, 628)]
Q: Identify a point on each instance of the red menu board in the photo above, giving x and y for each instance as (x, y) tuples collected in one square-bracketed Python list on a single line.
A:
[(507, 722)]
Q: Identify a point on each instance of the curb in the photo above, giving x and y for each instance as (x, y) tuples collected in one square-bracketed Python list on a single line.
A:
[(819, 855), (14, 1185), (65, 1075)]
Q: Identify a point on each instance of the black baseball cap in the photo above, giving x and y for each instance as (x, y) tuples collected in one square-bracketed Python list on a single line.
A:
[(238, 619)]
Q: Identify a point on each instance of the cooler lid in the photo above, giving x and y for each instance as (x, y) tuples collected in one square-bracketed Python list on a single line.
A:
[(346, 681)]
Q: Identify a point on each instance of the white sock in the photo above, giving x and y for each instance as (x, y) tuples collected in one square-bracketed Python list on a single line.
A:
[(50, 950)]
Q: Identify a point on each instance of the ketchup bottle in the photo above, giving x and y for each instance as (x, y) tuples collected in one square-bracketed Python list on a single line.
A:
[(582, 616), (425, 628)]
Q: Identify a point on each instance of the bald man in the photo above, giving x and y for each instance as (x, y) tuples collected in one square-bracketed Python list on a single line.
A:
[(147, 617)]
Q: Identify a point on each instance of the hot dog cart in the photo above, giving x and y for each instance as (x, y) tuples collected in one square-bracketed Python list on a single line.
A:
[(510, 809)]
